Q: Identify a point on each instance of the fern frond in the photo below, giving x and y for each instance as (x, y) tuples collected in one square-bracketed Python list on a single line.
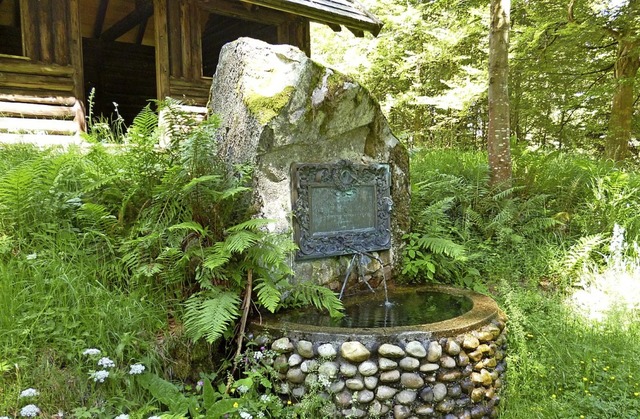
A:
[(442, 246), (308, 293), (209, 314), (581, 251), (269, 295)]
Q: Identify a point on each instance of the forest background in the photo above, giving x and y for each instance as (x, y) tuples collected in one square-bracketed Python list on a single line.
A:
[(119, 251)]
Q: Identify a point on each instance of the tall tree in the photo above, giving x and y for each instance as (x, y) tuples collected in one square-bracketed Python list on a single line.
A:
[(619, 19), (498, 135)]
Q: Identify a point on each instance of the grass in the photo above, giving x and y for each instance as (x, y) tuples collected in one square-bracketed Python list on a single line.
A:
[(538, 247)]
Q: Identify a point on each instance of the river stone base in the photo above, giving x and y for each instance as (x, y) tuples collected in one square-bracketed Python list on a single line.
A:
[(447, 377)]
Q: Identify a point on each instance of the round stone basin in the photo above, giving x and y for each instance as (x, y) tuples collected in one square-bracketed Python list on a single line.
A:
[(425, 311), (436, 352)]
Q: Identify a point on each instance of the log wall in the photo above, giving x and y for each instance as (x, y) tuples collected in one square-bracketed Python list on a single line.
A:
[(41, 91)]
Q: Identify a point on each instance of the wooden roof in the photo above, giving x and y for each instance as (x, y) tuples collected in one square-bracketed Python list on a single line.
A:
[(349, 13)]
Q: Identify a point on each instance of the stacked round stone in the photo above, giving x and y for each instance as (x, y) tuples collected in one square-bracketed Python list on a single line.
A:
[(449, 377)]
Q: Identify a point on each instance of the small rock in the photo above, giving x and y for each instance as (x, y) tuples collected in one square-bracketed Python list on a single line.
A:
[(429, 367), (390, 351), (477, 394), (478, 411), (336, 386), (371, 382), (485, 349), (343, 399), (426, 394), (446, 406), (354, 351), (470, 342), (354, 413), (295, 360), (454, 391), (424, 410), (376, 409), (327, 351), (475, 356), (447, 362), (390, 376), (311, 379), (448, 376), (282, 345), (483, 377), (415, 349), (365, 396), (305, 348), (298, 391), (434, 352), (281, 363), (463, 359), (354, 384), (348, 370), (485, 336), (368, 368), (308, 365), (452, 347), (406, 396), (411, 380), (409, 364), (385, 392), (295, 376), (439, 392), (401, 412), (328, 369), (386, 364)]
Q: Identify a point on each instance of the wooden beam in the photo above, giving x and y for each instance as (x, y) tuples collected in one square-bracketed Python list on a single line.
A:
[(325, 11), (27, 96), (100, 15), (162, 48), (130, 21), (30, 109), (142, 28), (75, 52), (238, 9), (33, 124)]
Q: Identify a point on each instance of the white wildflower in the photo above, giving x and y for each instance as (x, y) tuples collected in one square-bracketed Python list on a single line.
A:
[(246, 415), (242, 389), (30, 411), (91, 351), (30, 392), (154, 417), (258, 355), (122, 416), (4, 417), (99, 376), (260, 415), (136, 369), (264, 398), (105, 362)]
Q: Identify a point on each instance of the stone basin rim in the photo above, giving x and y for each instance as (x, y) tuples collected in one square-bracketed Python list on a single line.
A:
[(483, 311)]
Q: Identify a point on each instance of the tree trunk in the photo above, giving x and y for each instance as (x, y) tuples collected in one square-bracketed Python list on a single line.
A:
[(498, 134), (625, 70)]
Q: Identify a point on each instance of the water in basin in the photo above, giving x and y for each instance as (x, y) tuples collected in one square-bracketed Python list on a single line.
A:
[(403, 309)]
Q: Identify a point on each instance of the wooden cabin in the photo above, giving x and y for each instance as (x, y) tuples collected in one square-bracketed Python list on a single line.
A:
[(54, 53)]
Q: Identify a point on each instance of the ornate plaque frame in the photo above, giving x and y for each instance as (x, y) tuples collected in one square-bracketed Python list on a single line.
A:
[(353, 215)]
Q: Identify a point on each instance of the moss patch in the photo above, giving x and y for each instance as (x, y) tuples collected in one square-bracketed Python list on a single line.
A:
[(265, 108)]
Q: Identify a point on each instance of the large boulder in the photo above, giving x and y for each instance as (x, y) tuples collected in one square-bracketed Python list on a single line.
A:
[(277, 108)]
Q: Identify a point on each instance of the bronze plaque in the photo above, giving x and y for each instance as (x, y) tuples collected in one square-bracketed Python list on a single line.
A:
[(340, 208)]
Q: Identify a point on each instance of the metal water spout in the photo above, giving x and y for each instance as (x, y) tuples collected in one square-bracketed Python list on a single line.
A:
[(363, 260)]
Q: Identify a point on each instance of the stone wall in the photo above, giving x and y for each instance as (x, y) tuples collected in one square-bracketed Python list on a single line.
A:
[(442, 377), (277, 108)]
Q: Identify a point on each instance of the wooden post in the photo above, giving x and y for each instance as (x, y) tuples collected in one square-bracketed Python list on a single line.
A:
[(162, 48)]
